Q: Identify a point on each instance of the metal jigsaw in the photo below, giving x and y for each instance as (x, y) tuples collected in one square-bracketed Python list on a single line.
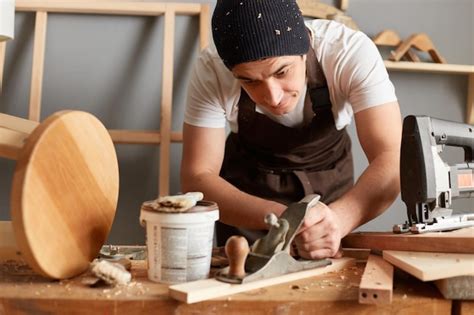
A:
[(270, 256), (428, 184)]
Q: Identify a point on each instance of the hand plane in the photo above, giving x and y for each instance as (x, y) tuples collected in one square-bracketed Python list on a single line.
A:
[(270, 255), (428, 184)]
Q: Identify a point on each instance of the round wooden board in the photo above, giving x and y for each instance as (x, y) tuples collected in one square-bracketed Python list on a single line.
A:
[(64, 193)]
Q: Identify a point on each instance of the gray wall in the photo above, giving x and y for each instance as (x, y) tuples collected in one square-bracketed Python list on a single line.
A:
[(111, 67)]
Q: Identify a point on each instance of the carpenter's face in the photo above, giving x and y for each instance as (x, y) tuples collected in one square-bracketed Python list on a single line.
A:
[(275, 83)]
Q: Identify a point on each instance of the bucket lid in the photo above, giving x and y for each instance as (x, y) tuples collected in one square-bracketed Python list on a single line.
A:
[(203, 212)]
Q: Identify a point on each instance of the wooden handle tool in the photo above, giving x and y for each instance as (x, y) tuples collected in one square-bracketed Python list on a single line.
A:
[(237, 249)]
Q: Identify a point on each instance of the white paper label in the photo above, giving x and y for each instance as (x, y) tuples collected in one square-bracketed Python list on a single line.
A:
[(179, 254)]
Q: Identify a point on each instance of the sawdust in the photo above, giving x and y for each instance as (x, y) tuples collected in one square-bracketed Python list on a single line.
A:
[(131, 289), (19, 277), (15, 267), (341, 280), (18, 272)]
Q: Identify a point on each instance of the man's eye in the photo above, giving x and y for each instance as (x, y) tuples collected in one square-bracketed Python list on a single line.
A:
[(281, 73)]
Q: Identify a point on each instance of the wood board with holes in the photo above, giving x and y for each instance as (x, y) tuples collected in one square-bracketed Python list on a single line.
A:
[(431, 266), (376, 285)]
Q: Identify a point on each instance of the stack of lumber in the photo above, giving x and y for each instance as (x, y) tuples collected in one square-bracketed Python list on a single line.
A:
[(447, 258)]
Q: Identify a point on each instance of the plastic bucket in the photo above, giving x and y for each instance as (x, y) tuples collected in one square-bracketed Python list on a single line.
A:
[(179, 245)]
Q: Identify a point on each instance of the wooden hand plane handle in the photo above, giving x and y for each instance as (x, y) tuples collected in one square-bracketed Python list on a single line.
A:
[(237, 249)]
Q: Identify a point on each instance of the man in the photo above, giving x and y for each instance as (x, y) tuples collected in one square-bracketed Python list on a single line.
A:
[(288, 88)]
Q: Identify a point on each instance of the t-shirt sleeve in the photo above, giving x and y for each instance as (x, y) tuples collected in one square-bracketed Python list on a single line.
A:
[(204, 101), (363, 77)]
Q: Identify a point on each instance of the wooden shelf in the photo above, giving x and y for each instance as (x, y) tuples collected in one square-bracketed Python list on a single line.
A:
[(428, 67), (441, 68)]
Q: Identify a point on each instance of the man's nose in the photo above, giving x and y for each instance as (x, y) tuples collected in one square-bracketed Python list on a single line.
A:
[(272, 94)]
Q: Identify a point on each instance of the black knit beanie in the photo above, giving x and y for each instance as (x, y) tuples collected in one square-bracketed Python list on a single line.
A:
[(249, 30)]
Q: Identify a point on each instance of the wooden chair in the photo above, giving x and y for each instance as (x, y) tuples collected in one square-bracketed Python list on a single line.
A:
[(163, 137)]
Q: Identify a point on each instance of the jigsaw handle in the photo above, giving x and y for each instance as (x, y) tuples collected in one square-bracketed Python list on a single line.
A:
[(237, 249), (454, 134)]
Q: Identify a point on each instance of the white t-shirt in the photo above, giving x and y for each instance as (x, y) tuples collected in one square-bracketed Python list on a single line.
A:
[(354, 71)]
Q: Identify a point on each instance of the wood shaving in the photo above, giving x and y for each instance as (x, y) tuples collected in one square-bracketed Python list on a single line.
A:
[(111, 273), (173, 204)]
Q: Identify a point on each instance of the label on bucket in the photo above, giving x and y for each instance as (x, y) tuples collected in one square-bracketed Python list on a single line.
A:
[(179, 254)]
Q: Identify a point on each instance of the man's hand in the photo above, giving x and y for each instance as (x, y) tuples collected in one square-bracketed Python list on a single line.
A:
[(320, 235)]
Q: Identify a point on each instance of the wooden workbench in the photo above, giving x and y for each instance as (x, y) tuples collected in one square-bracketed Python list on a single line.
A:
[(22, 292)]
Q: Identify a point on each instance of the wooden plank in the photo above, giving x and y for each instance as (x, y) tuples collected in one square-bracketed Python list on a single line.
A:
[(428, 67), (359, 254), (204, 21), (202, 290), (470, 100), (459, 241), (376, 285), (38, 66), (11, 142), (123, 136), (166, 103), (431, 266), (3, 49), (108, 7), (457, 288)]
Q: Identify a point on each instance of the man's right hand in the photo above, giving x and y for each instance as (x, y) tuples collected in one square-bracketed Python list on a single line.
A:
[(320, 235)]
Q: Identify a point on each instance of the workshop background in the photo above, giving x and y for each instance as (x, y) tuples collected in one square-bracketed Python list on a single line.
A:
[(111, 66)]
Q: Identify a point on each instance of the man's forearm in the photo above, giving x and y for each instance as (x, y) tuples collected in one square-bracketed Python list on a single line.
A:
[(236, 207), (373, 193)]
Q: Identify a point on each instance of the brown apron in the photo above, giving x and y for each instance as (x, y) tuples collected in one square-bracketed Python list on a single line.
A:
[(284, 164)]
